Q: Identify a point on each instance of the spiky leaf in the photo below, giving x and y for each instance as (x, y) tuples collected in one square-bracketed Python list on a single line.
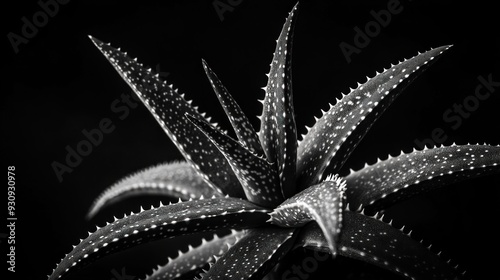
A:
[(195, 258), (386, 182), (169, 109), (321, 203), (373, 241), (335, 135), (278, 133), (241, 125), (162, 222), (176, 179), (254, 255), (257, 176)]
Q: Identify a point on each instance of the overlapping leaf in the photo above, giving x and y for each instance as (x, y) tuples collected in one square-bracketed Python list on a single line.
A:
[(373, 241), (321, 203), (177, 179), (278, 133), (267, 169), (241, 125), (389, 181), (162, 222), (335, 135), (257, 176), (169, 109), (254, 255), (196, 258)]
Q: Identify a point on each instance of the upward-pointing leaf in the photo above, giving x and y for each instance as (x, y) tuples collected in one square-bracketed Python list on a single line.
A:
[(257, 176), (338, 131), (243, 128), (162, 222), (278, 133), (169, 109)]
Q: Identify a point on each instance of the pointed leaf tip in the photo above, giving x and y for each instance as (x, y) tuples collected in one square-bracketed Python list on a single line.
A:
[(96, 41), (257, 176), (278, 132), (169, 107), (162, 222), (240, 123), (348, 121), (175, 179)]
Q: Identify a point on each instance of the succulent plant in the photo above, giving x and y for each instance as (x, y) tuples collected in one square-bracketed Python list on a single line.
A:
[(273, 190)]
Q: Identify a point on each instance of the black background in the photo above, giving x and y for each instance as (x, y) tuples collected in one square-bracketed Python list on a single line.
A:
[(59, 84)]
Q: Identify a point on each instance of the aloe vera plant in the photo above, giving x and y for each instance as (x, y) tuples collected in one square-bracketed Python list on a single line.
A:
[(271, 189)]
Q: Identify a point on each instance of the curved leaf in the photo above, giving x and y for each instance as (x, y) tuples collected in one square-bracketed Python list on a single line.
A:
[(254, 255), (177, 179), (278, 133), (196, 258), (335, 135), (162, 222), (373, 241), (257, 176), (241, 125), (386, 182), (169, 109), (321, 203)]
